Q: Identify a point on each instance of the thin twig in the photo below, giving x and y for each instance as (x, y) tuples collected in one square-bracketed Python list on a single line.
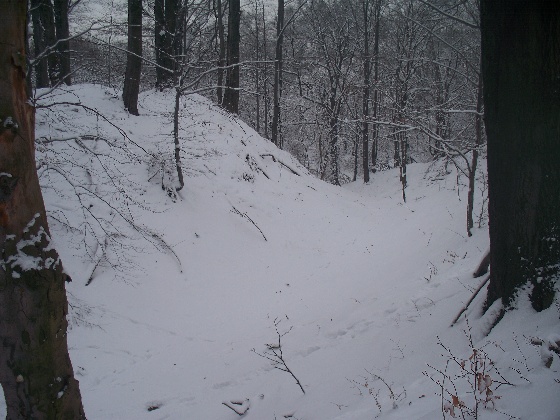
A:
[(251, 220)]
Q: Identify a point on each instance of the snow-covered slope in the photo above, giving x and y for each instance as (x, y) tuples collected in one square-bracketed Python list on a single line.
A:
[(188, 291)]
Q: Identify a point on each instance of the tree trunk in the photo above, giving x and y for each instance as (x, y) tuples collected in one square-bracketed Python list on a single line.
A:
[(522, 116), (219, 12), (170, 41), (176, 142), (375, 137), (334, 109), (278, 61), (231, 96), (44, 38), (63, 42), (474, 160), (39, 43), (159, 36), (35, 369), (365, 94), (134, 57), (265, 77), (257, 71)]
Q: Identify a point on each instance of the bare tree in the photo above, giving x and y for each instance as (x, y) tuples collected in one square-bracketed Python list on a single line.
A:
[(44, 37), (35, 369), (134, 57), (221, 39), (278, 63), (231, 95), (63, 40)]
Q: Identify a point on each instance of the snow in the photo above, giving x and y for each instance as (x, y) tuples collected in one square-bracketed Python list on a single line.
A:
[(184, 285), (22, 261)]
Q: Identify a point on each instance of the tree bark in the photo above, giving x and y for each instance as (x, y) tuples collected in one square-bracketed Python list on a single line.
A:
[(35, 369), (522, 116), (134, 57), (231, 94)]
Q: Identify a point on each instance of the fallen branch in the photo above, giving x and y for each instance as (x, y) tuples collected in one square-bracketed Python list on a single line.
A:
[(251, 220), (478, 289), (280, 162), (254, 165), (239, 407), (99, 255), (276, 356)]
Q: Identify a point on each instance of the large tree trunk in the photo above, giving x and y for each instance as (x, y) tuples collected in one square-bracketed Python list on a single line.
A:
[(278, 61), (231, 94), (522, 115), (35, 369), (134, 57)]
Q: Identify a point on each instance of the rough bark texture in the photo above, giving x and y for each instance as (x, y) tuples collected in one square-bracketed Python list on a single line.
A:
[(134, 57), (521, 71), (231, 94), (35, 369)]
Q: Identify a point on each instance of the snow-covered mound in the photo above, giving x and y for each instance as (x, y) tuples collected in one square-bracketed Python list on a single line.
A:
[(257, 278)]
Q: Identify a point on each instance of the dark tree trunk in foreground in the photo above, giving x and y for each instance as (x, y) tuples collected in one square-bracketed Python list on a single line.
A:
[(278, 61), (134, 57), (521, 71), (35, 369), (231, 94)]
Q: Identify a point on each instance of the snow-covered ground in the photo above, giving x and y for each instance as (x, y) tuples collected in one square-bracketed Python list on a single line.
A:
[(188, 293)]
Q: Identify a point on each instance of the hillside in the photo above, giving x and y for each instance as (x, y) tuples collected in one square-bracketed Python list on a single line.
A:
[(176, 295)]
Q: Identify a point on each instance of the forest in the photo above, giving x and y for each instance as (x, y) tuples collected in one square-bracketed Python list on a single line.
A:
[(240, 188), (347, 87)]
